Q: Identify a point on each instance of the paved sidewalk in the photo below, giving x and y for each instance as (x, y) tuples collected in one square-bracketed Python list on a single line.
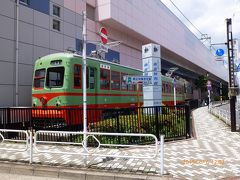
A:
[(215, 154)]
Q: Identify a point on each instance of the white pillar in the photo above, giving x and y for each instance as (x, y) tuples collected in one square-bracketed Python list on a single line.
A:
[(152, 93)]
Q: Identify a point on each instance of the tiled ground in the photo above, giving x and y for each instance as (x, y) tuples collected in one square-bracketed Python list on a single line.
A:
[(214, 154)]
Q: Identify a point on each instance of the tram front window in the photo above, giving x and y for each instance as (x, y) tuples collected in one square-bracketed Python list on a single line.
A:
[(55, 77), (39, 78)]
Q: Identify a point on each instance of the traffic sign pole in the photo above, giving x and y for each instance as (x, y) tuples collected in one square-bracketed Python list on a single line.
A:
[(209, 88), (209, 98)]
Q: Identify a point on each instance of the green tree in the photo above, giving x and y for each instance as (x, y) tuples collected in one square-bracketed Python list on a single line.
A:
[(201, 82)]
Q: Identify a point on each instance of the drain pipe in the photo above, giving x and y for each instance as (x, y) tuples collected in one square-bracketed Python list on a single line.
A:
[(17, 53)]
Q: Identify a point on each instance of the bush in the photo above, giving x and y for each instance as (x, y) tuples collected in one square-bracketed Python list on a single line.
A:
[(171, 123)]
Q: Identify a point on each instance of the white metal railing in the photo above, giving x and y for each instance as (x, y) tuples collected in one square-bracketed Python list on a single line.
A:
[(221, 113), (27, 142), (85, 151), (219, 103), (30, 142), (3, 140)]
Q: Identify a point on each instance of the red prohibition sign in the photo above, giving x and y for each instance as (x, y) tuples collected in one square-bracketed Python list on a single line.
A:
[(103, 34)]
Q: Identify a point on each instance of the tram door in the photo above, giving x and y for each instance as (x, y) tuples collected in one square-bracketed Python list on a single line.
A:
[(92, 84)]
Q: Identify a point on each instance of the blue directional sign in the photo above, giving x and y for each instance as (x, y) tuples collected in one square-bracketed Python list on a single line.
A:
[(139, 79), (219, 52), (238, 68)]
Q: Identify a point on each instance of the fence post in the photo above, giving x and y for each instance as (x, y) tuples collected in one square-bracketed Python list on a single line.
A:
[(31, 147), (8, 121), (188, 121), (157, 122), (118, 126), (162, 155), (31, 118)]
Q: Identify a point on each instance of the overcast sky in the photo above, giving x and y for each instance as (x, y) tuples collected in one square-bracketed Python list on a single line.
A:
[(209, 16)]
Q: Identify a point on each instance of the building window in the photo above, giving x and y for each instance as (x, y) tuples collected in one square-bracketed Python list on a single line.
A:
[(26, 2), (56, 24), (90, 12), (56, 10)]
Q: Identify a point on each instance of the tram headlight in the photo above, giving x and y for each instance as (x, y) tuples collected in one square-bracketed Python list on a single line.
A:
[(58, 103), (34, 103), (43, 100)]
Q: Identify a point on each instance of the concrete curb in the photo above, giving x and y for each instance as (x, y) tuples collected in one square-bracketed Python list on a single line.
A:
[(72, 173)]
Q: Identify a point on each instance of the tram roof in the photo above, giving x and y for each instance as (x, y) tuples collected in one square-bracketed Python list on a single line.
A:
[(71, 55)]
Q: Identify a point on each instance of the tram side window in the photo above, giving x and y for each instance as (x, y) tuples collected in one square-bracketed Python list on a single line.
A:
[(184, 87), (163, 87), (55, 77), (170, 88), (115, 80), (131, 87), (167, 89), (123, 83), (77, 76), (105, 79), (39, 78), (90, 78)]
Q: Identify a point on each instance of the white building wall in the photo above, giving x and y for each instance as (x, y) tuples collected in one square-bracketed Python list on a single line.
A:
[(156, 22)]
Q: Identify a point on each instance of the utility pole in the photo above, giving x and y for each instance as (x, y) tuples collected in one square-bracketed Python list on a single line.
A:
[(232, 88)]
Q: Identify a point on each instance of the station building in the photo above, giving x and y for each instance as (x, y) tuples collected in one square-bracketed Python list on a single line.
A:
[(36, 28)]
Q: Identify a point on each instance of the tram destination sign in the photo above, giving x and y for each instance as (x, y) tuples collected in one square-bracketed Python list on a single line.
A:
[(138, 79)]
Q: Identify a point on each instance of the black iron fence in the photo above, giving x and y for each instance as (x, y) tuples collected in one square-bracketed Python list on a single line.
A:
[(173, 122)]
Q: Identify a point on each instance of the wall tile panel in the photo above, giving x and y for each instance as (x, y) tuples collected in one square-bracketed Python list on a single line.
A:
[(7, 70), (25, 53), (7, 27), (56, 41), (25, 32), (7, 50), (41, 37), (39, 52), (41, 20), (8, 98), (26, 14)]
